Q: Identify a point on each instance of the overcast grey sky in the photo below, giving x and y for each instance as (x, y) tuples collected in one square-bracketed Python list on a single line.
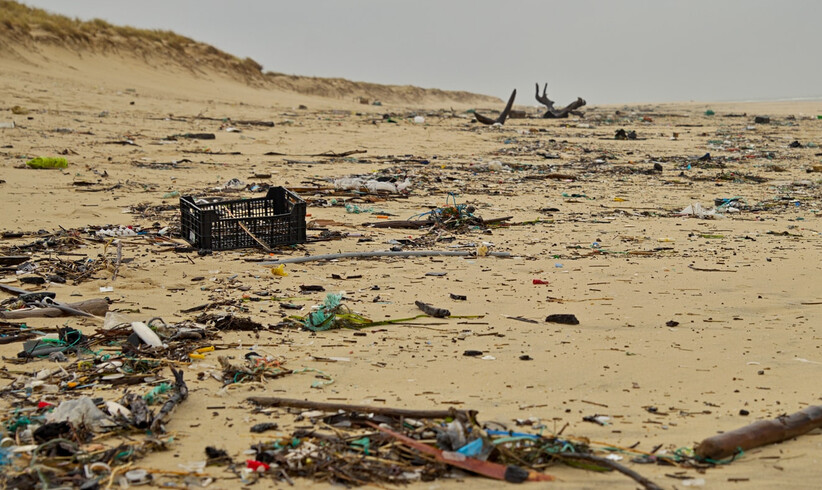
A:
[(605, 51)]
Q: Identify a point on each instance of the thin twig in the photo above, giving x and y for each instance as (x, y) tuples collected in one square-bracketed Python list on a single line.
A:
[(245, 229), (648, 484)]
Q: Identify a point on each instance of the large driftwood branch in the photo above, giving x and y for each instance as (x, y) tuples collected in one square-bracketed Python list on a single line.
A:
[(503, 116), (551, 112), (760, 433), (97, 307), (543, 99), (335, 407)]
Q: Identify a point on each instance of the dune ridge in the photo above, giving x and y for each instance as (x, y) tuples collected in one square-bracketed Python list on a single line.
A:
[(25, 31)]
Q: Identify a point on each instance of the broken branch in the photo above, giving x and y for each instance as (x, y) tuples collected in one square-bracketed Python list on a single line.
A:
[(502, 117), (648, 484), (432, 310), (553, 113), (96, 307)]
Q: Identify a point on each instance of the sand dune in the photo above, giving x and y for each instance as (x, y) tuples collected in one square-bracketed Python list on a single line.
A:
[(29, 35)]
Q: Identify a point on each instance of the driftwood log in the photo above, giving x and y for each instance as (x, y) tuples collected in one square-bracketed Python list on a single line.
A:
[(385, 253), (553, 113), (96, 307), (424, 223), (760, 433), (272, 401), (502, 117)]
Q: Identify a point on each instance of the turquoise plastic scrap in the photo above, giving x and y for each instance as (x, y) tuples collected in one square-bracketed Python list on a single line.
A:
[(155, 392), (323, 318), (364, 443), (472, 448), (17, 423), (332, 300)]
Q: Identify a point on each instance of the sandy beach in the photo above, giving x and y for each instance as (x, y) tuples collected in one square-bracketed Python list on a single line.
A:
[(688, 325)]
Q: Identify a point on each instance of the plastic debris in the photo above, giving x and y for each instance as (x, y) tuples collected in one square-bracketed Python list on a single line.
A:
[(47, 162)]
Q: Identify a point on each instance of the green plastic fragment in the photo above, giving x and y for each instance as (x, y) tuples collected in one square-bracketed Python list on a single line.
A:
[(364, 443), (158, 390), (47, 162)]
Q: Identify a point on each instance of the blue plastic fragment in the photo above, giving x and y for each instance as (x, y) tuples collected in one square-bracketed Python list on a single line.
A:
[(472, 448)]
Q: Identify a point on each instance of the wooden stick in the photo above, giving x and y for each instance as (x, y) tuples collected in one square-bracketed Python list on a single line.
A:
[(432, 310), (760, 433), (554, 176), (648, 484), (96, 306), (268, 124), (245, 229), (423, 223), (180, 394), (335, 154), (366, 255), (408, 224), (335, 407)]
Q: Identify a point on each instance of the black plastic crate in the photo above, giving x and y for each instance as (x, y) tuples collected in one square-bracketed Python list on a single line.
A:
[(276, 219)]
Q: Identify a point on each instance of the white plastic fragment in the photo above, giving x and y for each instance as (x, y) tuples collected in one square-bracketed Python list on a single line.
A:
[(373, 186), (117, 410), (146, 334), (79, 411), (120, 231)]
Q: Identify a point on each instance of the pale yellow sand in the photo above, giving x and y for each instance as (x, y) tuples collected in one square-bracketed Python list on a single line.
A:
[(760, 314)]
